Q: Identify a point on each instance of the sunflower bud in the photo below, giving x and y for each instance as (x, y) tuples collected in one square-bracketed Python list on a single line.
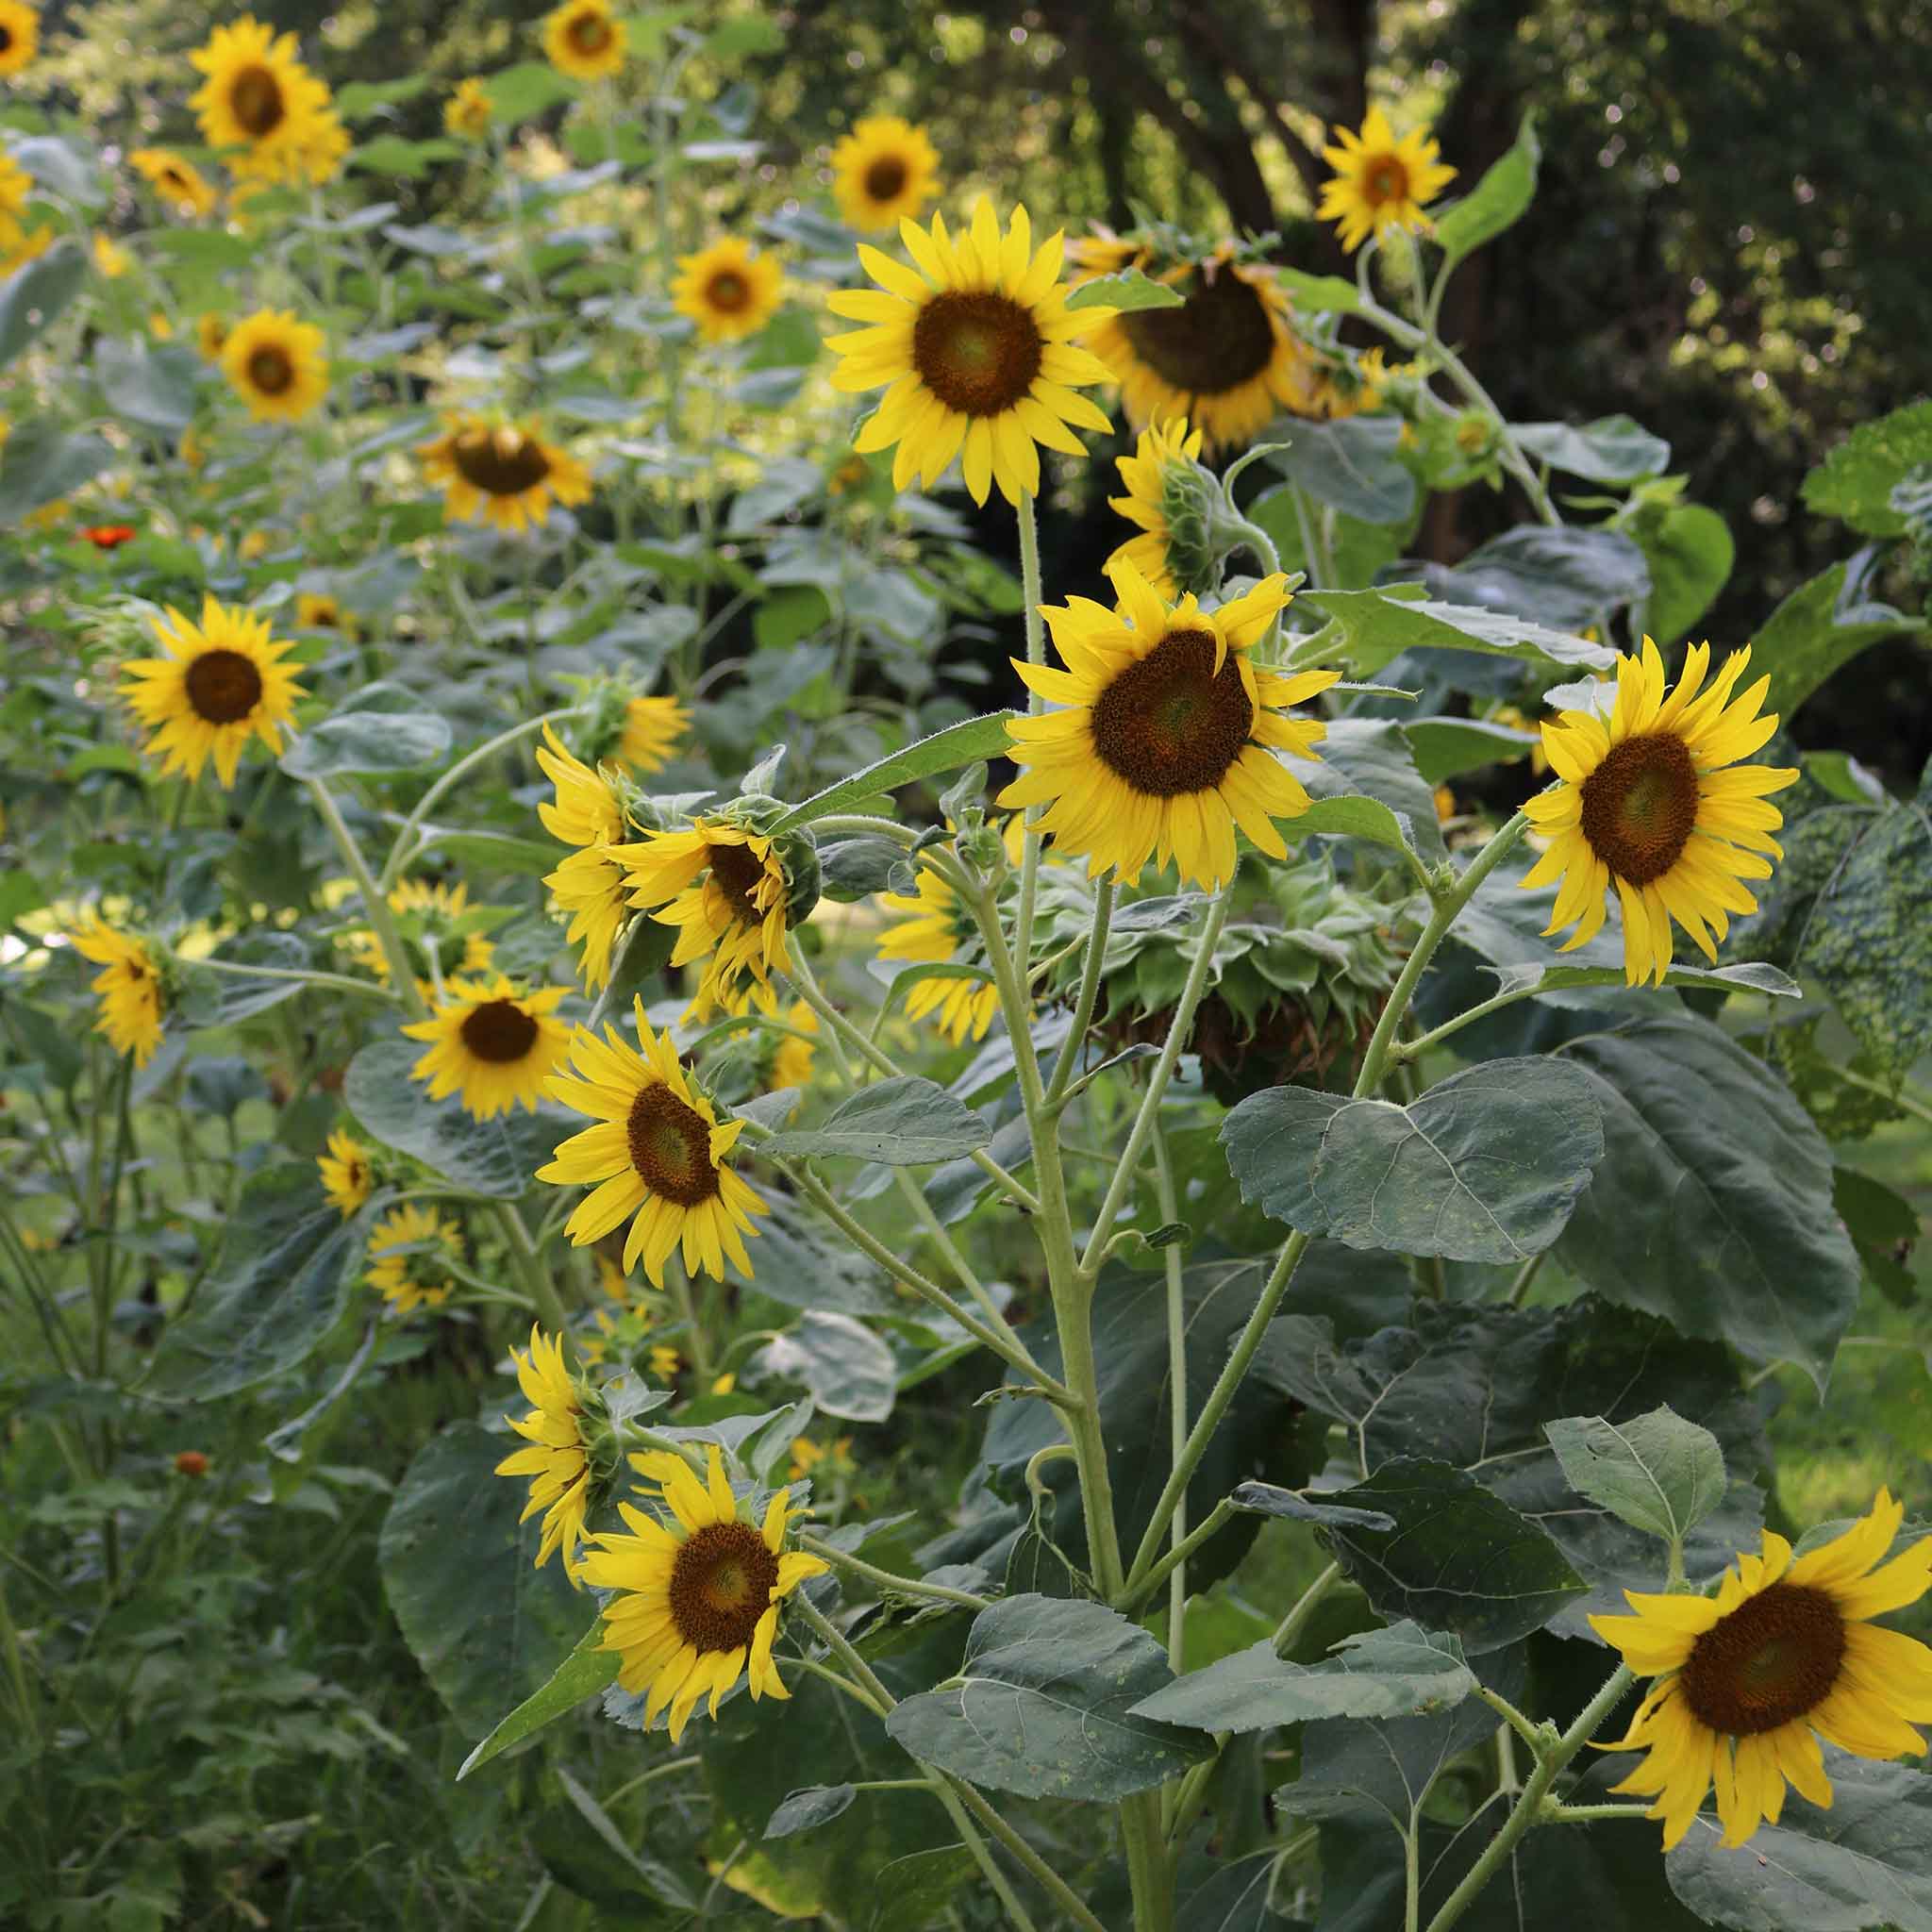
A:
[(1198, 535)]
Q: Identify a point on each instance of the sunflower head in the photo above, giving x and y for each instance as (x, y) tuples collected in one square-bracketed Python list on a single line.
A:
[(699, 1586), (469, 113), (210, 335), (174, 180), (653, 728), (939, 929), (1174, 500), (585, 40), (1652, 801), (490, 1044), (728, 290), (884, 171), (792, 1063), (504, 472), (128, 991), (1380, 183), (570, 1454), (277, 365), (317, 610), (348, 1174), (412, 1250), (20, 37), (1745, 1683), (259, 98)]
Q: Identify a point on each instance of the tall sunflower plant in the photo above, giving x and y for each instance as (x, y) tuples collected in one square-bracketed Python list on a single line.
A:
[(1015, 1302)]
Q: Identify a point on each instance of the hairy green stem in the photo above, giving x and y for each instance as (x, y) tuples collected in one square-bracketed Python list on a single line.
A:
[(1031, 595), (1068, 1057), (886, 1579)]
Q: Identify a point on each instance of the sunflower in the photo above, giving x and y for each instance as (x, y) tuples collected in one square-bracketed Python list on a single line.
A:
[(1380, 183), (20, 37), (434, 909), (728, 290), (1160, 476), (941, 928), (652, 727), (346, 1177), (490, 1044), (258, 97), (419, 1279), (585, 41), (792, 1063), (210, 335), (883, 172), (1741, 1681), (275, 365), (16, 188), (658, 1152), (725, 888), (590, 885), (503, 472), (588, 810), (216, 685), (976, 351), (129, 990), (697, 1597), (1166, 743), (555, 1461), (1644, 806), (1226, 358), (469, 112), (317, 610), (177, 182), (19, 246)]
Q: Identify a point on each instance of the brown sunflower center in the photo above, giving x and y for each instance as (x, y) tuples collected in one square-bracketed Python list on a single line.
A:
[(1386, 180), (670, 1147), (500, 462), (223, 686), (498, 1031), (1775, 1658), (979, 354), (1169, 724), (885, 180), (1218, 338), (271, 369), (6, 40), (727, 292), (255, 98), (589, 32), (738, 872), (721, 1585), (1640, 806)]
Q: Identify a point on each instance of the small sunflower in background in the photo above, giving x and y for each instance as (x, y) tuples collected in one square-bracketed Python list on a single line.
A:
[(210, 335), (277, 365), (1654, 803), (884, 171), (1159, 478), (585, 40), (318, 611), (728, 290), (128, 991), (217, 684), (555, 1459), (414, 1249), (653, 728), (1745, 1683), (504, 473), (940, 928), (976, 351), (20, 37), (1166, 737), (590, 885), (792, 1063), (491, 1044), (174, 180), (434, 909), (347, 1177), (658, 1157), (258, 98), (698, 1595), (469, 113), (16, 188), (1380, 183), (1227, 359)]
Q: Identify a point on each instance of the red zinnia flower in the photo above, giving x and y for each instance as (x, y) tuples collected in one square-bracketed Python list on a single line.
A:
[(108, 536)]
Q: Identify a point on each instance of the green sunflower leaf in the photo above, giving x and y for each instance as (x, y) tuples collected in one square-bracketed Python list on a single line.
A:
[(579, 1678), (1127, 291), (1657, 1471), (908, 1122), (1497, 202), (944, 751)]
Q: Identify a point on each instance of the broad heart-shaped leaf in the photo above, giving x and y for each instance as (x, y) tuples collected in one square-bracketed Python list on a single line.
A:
[(383, 727), (1125, 292), (1364, 784), (579, 1678), (1497, 202), (1486, 1166), (274, 1296), (1566, 576), (1613, 449), (1657, 1471), (1043, 1706), (1822, 626), (1378, 625), (33, 296), (39, 463), (1352, 466), (496, 1157), (1753, 975), (1458, 1558), (1448, 747), (849, 1370), (909, 1122), (486, 1626), (1404, 1670), (1712, 1203), (1856, 481), (944, 751), (1866, 1862), (1690, 553), (794, 1263), (151, 388)]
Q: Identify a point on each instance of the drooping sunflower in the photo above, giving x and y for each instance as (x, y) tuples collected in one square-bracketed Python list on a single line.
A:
[(1380, 183), (1646, 806), (652, 729), (347, 1177), (729, 290), (1166, 740), (585, 40), (698, 1596), (588, 810), (128, 991), (275, 365), (175, 180), (977, 353), (258, 97), (555, 1459), (792, 1063), (1227, 359), (216, 685), (1159, 478), (20, 37), (939, 929), (590, 885), (505, 473), (658, 1155), (883, 172), (469, 112), (1746, 1682), (434, 909), (492, 1044), (411, 1248)]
